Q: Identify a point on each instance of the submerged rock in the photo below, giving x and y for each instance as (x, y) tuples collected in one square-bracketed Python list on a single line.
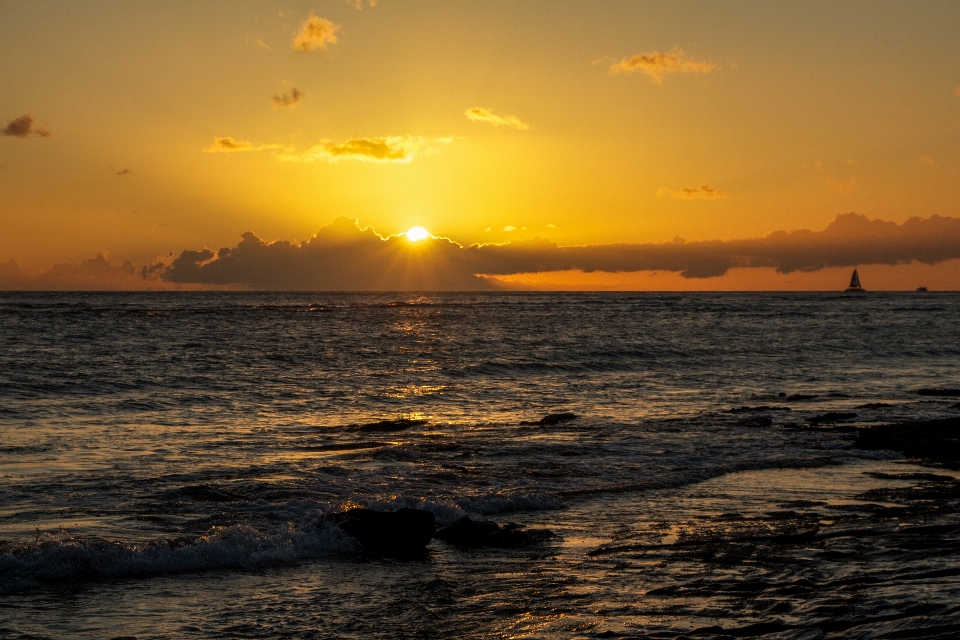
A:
[(939, 392), (474, 534), (390, 425), (402, 533), (933, 440), (552, 418)]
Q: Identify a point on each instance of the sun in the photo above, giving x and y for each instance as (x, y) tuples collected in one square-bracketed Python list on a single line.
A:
[(415, 234)]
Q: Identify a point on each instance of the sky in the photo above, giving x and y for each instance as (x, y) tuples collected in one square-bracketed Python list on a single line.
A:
[(670, 141)]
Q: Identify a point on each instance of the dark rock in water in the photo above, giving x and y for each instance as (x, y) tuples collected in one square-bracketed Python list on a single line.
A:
[(474, 534), (391, 425), (552, 418), (832, 416), (938, 392), (933, 440), (397, 534)]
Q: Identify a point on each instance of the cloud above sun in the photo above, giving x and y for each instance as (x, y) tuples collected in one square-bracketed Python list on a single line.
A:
[(479, 114), (372, 149), (703, 192), (315, 33), (656, 64), (376, 149), (288, 100), (22, 127)]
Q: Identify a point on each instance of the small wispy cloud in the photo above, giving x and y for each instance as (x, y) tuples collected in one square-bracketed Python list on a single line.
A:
[(657, 64), (927, 160), (288, 100), (315, 33), (358, 4), (228, 145), (124, 172), (509, 228), (375, 149), (259, 42), (703, 192), (479, 114), (22, 127), (840, 186)]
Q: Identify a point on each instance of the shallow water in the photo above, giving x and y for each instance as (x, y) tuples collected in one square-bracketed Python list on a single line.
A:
[(166, 461)]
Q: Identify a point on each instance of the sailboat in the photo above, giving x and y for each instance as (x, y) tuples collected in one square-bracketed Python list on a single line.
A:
[(855, 282)]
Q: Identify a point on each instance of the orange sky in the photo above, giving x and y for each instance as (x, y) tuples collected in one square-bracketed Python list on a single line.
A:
[(156, 128)]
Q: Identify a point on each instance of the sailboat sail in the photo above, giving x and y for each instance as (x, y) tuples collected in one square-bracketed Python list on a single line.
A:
[(855, 282)]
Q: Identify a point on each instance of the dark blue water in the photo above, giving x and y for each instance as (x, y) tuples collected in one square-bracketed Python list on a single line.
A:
[(167, 462)]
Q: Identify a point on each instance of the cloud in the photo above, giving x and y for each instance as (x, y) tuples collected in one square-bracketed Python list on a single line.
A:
[(358, 4), (656, 64), (315, 33), (124, 172), (342, 256), (228, 145), (377, 149), (479, 114), (22, 127), (287, 100), (509, 228), (703, 192), (842, 187), (96, 274)]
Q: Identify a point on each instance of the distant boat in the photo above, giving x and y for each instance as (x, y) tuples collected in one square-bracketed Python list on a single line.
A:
[(921, 288), (855, 282)]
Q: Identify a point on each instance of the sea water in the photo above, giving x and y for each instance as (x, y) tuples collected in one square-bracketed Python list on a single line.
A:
[(167, 462)]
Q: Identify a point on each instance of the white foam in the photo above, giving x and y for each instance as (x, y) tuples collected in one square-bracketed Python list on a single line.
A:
[(57, 558)]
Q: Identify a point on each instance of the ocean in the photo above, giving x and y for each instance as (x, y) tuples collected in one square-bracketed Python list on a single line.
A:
[(169, 464)]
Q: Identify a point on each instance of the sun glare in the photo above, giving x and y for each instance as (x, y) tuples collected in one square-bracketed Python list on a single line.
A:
[(415, 234)]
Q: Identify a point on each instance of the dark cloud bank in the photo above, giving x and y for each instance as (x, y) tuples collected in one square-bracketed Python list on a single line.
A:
[(344, 257)]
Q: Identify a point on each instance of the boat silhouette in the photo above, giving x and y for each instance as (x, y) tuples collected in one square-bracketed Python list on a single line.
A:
[(855, 282)]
